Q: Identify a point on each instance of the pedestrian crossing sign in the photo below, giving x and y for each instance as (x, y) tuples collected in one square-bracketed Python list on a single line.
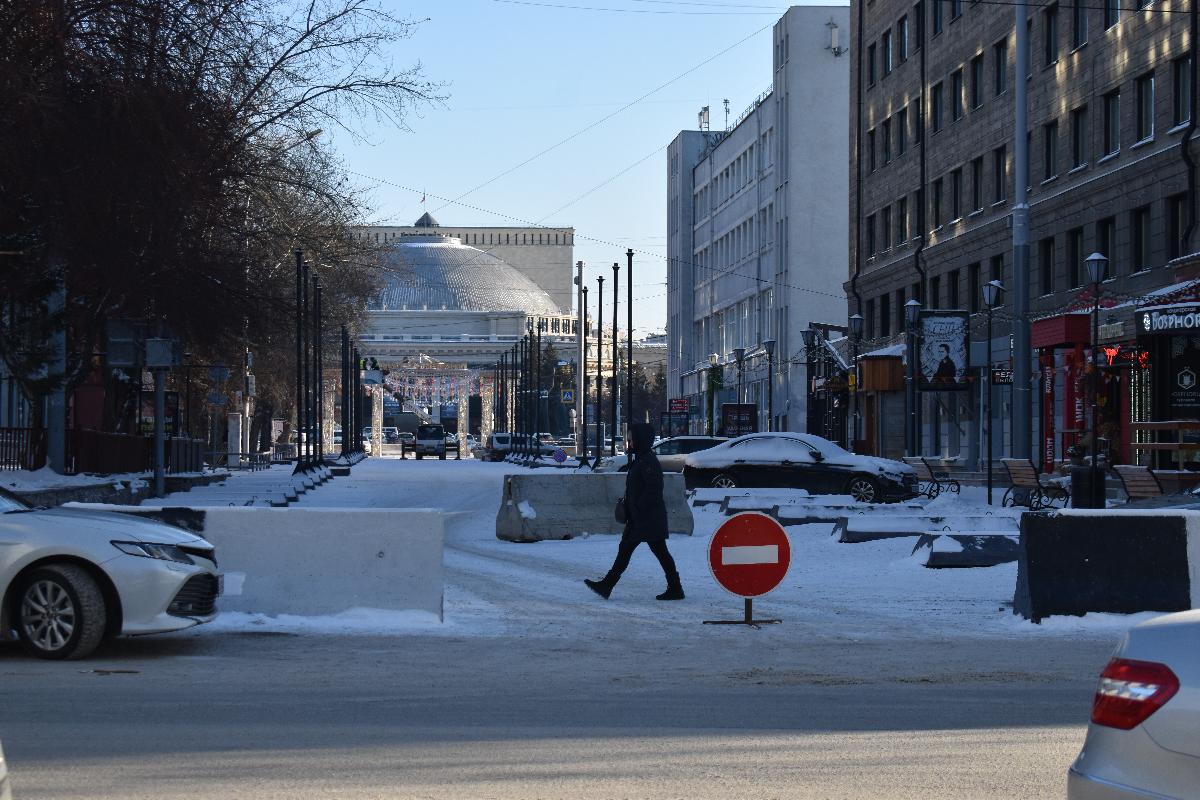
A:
[(568, 395)]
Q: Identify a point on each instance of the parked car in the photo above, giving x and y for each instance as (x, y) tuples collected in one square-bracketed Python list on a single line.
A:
[(799, 461), (431, 441), (407, 439), (71, 578), (337, 435), (391, 434), (498, 445), (1144, 736), (671, 453)]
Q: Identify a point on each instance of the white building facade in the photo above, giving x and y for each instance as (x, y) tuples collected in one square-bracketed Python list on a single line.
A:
[(757, 229)]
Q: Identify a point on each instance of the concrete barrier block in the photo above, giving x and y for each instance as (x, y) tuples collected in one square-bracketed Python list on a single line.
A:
[(1117, 561), (317, 561), (558, 505)]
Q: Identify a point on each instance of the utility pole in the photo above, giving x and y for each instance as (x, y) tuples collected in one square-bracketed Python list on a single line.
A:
[(299, 356), (1022, 412), (583, 418), (629, 345), (580, 427), (600, 366), (616, 356)]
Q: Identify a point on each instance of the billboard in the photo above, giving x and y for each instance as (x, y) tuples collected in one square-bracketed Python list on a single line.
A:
[(942, 355), (738, 419), (673, 423)]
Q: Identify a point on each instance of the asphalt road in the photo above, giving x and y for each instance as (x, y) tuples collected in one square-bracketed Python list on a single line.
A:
[(557, 695)]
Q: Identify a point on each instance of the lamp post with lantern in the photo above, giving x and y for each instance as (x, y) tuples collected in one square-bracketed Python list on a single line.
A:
[(856, 332), (912, 314), (1097, 266), (809, 336), (769, 346), (993, 291)]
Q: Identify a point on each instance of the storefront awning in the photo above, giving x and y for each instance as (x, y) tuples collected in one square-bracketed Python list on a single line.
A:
[(1064, 330)]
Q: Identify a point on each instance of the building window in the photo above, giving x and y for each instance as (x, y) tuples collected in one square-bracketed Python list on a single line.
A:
[(1000, 66), (1079, 14), (871, 65), (1112, 13), (937, 16), (1112, 122), (885, 222), (956, 98), (1079, 137), (977, 184), (901, 131), (999, 175), (1050, 34), (885, 314), (887, 141), (997, 269), (935, 292), (870, 320), (870, 235), (952, 289), (977, 81), (1145, 107), (936, 100), (956, 9), (916, 292), (1046, 264), (885, 43), (956, 193), (973, 287), (936, 211), (901, 221), (1181, 96), (1075, 256), (1106, 241), (919, 22), (871, 150), (902, 38), (1139, 224), (1050, 150), (1177, 220)]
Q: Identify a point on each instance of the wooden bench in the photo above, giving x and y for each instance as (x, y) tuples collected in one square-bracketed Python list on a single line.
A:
[(929, 482), (1023, 475), (1139, 482)]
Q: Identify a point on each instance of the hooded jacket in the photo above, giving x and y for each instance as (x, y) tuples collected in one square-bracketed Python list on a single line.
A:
[(644, 489)]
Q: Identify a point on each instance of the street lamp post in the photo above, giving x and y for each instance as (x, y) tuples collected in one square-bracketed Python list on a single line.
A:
[(600, 366), (769, 346), (992, 292), (1097, 265), (583, 438), (713, 359), (809, 335), (856, 332), (912, 313), (616, 356), (739, 355)]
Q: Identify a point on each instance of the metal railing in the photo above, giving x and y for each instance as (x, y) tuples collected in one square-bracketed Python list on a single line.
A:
[(22, 448)]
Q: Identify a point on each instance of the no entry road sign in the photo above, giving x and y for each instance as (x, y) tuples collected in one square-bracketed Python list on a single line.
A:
[(749, 555)]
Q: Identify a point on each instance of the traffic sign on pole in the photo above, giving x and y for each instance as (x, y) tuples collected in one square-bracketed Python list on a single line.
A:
[(568, 395), (749, 555)]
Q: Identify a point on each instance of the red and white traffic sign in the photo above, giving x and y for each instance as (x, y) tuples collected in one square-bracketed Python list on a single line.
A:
[(749, 555)]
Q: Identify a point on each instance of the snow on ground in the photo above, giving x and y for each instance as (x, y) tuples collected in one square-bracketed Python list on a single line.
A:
[(875, 591), (46, 478)]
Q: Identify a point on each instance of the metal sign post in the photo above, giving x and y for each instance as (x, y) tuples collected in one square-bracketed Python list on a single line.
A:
[(749, 556)]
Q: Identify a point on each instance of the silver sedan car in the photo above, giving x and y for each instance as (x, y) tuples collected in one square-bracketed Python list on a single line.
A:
[(71, 578), (671, 453), (1144, 739)]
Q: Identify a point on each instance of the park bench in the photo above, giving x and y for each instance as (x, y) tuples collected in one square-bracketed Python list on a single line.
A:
[(931, 483), (1040, 492), (1139, 482)]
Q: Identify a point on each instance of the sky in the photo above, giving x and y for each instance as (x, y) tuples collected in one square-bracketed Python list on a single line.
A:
[(522, 76)]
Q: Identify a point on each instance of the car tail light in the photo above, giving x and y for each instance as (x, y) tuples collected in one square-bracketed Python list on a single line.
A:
[(1130, 691)]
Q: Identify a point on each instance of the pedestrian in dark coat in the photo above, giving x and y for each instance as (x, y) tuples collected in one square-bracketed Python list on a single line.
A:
[(646, 510)]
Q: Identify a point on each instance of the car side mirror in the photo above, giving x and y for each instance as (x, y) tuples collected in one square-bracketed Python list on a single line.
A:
[(816, 456)]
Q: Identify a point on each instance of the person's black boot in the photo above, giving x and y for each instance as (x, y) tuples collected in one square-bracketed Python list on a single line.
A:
[(602, 587), (674, 588)]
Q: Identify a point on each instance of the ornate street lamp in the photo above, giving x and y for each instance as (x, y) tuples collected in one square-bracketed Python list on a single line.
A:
[(993, 291), (856, 332), (1097, 266), (769, 346), (912, 314)]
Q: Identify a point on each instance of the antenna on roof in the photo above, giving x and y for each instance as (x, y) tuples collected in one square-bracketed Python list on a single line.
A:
[(703, 118)]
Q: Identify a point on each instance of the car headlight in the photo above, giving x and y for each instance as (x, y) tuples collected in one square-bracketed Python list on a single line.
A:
[(163, 552)]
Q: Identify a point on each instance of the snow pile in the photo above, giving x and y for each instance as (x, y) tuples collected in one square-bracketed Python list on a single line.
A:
[(527, 510)]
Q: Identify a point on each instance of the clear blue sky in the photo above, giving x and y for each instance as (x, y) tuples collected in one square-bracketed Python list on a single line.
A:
[(522, 76)]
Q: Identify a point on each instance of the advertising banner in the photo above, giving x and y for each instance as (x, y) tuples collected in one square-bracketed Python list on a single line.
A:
[(673, 423), (738, 419), (945, 342)]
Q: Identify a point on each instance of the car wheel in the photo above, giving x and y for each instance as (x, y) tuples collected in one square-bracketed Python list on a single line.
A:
[(724, 481), (441, 457), (60, 612), (864, 489)]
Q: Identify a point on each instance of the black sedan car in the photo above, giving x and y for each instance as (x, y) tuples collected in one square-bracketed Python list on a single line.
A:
[(799, 461)]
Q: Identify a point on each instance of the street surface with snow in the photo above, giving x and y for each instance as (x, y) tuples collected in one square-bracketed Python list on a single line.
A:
[(886, 679)]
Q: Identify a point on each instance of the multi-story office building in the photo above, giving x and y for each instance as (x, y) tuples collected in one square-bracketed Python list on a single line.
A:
[(1110, 113), (756, 248)]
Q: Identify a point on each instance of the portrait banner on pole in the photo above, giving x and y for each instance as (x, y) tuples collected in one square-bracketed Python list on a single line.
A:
[(945, 342)]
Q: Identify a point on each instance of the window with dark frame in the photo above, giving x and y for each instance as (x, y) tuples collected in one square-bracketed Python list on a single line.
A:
[(1112, 13), (1079, 139), (1000, 66), (973, 286), (977, 184), (977, 81), (956, 9), (886, 135), (901, 131), (871, 64), (1177, 220), (1079, 15), (902, 221), (956, 91), (1050, 150), (1050, 34), (997, 268), (919, 25), (871, 150), (1181, 90), (936, 99), (1046, 264), (936, 211), (1145, 107), (870, 230), (956, 193), (902, 38), (935, 292), (869, 320), (936, 23), (1075, 257), (1139, 234), (885, 221), (916, 292), (885, 44), (999, 174), (899, 310), (1112, 122), (885, 314), (952, 297), (1106, 242)]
